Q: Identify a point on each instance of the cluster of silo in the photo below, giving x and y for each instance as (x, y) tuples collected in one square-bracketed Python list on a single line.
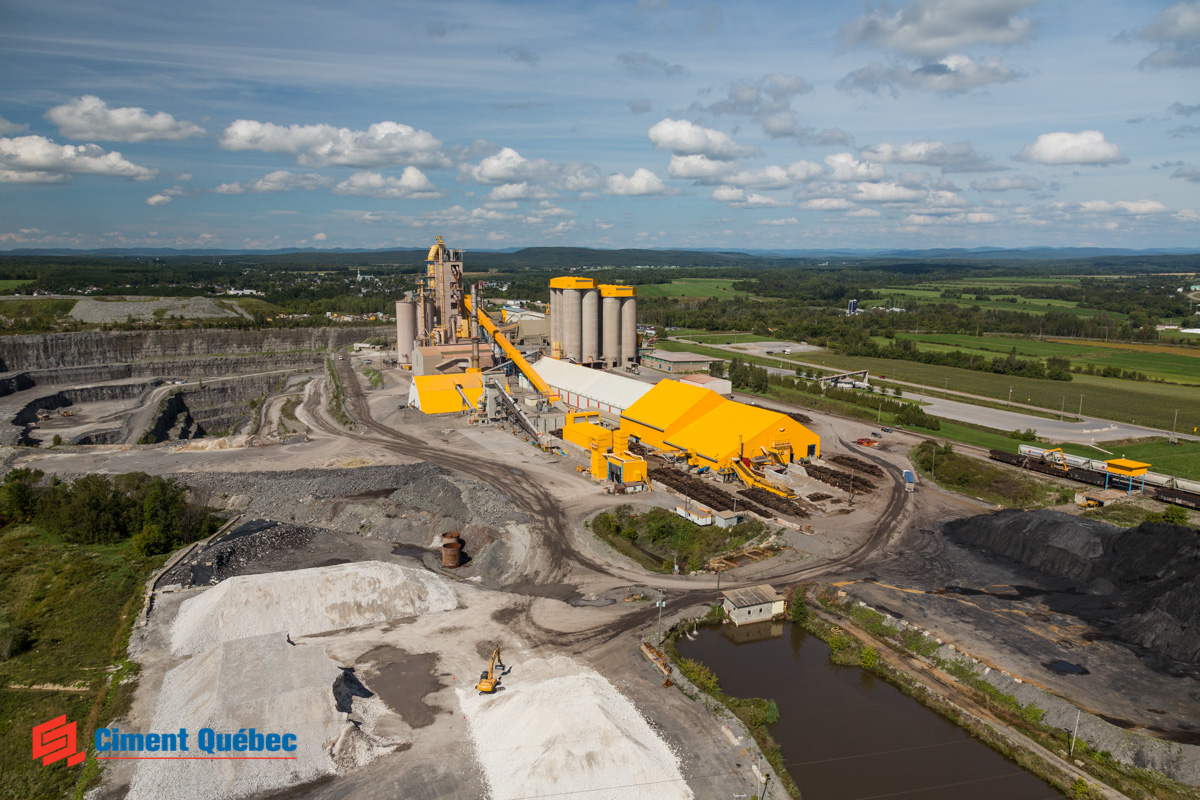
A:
[(592, 323)]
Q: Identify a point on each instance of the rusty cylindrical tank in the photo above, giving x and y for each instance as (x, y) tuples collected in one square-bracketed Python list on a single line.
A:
[(449, 536), (451, 555)]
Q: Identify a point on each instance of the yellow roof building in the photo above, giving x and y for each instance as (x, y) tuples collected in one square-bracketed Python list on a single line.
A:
[(439, 394), (666, 409), (681, 416)]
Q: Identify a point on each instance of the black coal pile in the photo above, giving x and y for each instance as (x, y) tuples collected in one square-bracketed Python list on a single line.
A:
[(238, 552), (1140, 585)]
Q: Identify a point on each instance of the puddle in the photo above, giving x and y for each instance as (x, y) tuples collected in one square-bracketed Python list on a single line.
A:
[(402, 680), (1061, 667)]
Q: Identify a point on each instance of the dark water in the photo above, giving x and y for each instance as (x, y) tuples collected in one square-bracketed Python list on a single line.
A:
[(846, 735)]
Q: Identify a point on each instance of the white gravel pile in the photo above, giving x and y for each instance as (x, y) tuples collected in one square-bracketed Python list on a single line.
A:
[(557, 727), (262, 683), (307, 601)]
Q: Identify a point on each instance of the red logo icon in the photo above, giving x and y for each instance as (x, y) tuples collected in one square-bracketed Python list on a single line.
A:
[(54, 740)]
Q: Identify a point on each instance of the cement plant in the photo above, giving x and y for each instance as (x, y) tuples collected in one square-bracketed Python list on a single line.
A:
[(506, 549)]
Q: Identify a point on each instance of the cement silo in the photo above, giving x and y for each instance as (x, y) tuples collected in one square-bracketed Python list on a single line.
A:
[(555, 321), (612, 336), (629, 351), (590, 324), (406, 330), (571, 292)]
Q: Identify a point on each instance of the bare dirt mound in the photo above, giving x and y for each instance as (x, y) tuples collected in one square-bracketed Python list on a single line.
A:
[(1138, 585)]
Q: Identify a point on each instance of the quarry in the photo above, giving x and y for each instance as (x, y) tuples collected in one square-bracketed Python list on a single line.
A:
[(391, 542)]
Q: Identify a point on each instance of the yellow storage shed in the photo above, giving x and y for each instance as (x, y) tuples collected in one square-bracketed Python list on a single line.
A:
[(667, 409), (733, 429)]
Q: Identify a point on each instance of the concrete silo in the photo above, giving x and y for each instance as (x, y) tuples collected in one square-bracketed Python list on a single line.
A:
[(612, 298), (629, 351), (555, 322), (571, 291), (590, 324), (406, 330)]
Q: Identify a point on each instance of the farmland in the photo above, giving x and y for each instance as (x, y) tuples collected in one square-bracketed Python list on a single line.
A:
[(1176, 364), (691, 287), (1150, 404), (895, 296)]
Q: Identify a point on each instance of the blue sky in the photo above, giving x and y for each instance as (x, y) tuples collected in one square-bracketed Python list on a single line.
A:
[(653, 123)]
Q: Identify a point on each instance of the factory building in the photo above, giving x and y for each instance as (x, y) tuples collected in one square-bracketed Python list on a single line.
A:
[(437, 315), (752, 603), (722, 386), (446, 394), (585, 388), (713, 430), (665, 361), (430, 360), (593, 323)]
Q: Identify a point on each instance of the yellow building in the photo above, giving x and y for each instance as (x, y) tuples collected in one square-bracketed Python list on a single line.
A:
[(667, 409), (713, 430), (446, 394)]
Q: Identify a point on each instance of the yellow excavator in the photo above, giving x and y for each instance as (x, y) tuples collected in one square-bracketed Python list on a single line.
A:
[(489, 680)]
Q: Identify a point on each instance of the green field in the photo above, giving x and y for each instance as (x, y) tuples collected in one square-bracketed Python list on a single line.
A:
[(78, 601), (10, 284), (1151, 404), (691, 287), (1181, 367), (1182, 460), (892, 297)]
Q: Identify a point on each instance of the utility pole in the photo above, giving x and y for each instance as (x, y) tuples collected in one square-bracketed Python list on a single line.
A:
[(1075, 735), (1010, 396), (660, 603), (1173, 423), (1080, 406)]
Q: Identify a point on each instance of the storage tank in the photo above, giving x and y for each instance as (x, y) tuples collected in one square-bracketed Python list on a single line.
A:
[(591, 325), (555, 317), (406, 330), (451, 555), (629, 350), (572, 313), (610, 330)]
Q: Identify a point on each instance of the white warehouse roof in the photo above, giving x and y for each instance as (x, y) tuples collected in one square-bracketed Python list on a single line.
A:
[(590, 388)]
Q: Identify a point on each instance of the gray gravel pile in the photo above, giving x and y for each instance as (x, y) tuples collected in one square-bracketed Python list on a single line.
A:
[(145, 309), (249, 544), (359, 499)]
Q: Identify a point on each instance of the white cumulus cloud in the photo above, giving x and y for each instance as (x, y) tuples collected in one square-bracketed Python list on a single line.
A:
[(1176, 31), (36, 159), (158, 200), (1135, 208), (1085, 147), (925, 28), (7, 127), (845, 167), (1007, 183), (641, 182), (687, 138), (89, 117), (383, 144), (411, 185), (953, 74), (278, 181), (955, 157)]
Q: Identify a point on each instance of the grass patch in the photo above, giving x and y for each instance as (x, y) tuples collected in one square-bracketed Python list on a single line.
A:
[(79, 602), (984, 480), (657, 538), (374, 376), (1181, 460), (691, 287)]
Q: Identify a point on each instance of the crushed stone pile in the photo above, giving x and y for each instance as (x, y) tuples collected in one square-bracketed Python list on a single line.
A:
[(1138, 584), (423, 486), (557, 727), (228, 689), (238, 551), (307, 601), (145, 309)]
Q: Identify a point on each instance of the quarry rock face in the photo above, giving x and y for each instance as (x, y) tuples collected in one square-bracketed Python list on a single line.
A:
[(58, 350), (1141, 585)]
